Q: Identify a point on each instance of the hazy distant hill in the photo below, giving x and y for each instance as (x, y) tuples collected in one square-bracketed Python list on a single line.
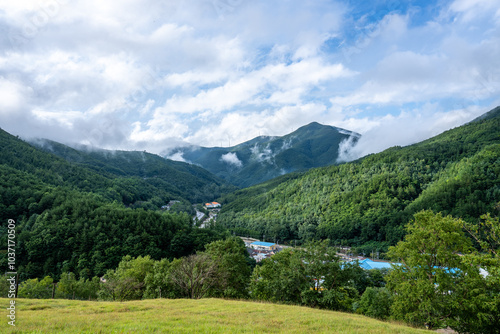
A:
[(367, 202), (264, 158)]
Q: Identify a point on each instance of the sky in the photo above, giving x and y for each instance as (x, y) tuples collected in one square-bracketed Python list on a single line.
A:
[(151, 75)]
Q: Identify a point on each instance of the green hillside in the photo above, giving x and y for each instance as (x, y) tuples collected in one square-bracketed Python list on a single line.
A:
[(84, 216), (187, 316), (367, 202), (264, 158), (179, 179)]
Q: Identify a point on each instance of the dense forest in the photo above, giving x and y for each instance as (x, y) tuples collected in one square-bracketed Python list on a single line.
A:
[(439, 279), (367, 203), (85, 213), (90, 225)]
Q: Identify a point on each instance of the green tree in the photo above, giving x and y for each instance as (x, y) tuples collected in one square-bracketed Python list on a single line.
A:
[(312, 276), (33, 288), (234, 267), (434, 280), (375, 302), (194, 276), (481, 313), (127, 281), (280, 278), (67, 287), (158, 283)]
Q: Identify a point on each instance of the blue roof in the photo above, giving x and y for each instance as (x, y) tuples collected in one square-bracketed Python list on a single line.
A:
[(261, 243), (369, 264)]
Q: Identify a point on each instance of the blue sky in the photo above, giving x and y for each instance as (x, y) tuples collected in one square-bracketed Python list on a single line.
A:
[(150, 75)]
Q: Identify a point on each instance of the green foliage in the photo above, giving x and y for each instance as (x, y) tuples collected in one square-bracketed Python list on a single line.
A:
[(158, 283), (480, 314), (233, 267), (280, 279), (375, 302), (438, 284), (33, 288), (69, 287), (127, 282), (311, 276), (366, 203)]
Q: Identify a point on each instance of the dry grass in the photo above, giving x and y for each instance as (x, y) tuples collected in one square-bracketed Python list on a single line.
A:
[(185, 316)]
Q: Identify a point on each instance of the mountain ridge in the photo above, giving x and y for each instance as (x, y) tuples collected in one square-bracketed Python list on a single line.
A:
[(366, 203), (178, 178), (266, 157)]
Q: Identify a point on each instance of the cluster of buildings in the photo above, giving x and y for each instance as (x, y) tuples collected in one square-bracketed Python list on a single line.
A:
[(260, 250), (212, 205)]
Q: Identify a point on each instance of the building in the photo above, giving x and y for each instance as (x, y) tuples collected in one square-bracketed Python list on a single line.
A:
[(369, 264), (268, 246), (213, 205)]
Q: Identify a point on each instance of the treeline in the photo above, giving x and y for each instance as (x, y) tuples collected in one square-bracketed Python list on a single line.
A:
[(84, 214), (366, 203), (66, 230), (136, 179), (439, 279), (179, 179)]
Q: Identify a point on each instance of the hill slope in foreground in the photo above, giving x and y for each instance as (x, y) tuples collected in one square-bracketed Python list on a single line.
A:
[(187, 316)]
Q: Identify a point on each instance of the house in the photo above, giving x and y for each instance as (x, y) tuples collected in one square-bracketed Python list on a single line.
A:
[(213, 205), (264, 245), (248, 241)]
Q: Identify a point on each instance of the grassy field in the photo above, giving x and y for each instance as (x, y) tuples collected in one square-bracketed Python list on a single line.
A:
[(184, 316)]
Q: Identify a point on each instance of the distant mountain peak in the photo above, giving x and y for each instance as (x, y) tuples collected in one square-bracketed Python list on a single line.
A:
[(265, 157)]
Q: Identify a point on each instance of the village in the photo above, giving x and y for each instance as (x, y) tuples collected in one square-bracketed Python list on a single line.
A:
[(260, 250)]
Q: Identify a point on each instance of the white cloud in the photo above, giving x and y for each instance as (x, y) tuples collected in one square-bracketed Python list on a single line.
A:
[(407, 128), (178, 156), (155, 74), (262, 154), (232, 159)]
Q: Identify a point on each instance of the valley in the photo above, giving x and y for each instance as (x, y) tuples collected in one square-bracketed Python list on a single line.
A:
[(124, 225)]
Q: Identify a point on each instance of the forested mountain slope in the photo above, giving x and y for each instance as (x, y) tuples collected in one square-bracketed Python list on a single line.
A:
[(180, 179), (69, 217), (367, 202), (264, 157)]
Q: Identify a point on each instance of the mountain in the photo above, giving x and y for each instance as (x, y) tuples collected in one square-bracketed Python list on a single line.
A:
[(366, 203), (264, 158), (182, 180), (83, 213)]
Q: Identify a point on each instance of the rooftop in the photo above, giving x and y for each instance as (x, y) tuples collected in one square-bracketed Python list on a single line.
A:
[(262, 243)]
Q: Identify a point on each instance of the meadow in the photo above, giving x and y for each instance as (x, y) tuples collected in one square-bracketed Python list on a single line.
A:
[(185, 316)]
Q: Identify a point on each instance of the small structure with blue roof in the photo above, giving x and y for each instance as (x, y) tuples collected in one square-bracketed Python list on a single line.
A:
[(269, 246), (369, 264)]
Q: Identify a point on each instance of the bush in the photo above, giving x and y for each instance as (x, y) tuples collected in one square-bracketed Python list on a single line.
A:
[(33, 288), (375, 302)]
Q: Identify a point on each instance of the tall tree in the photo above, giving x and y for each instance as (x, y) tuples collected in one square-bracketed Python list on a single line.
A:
[(434, 280), (194, 275), (234, 267)]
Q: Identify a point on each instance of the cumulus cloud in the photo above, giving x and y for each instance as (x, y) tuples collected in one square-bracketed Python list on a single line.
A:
[(232, 159), (152, 75)]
